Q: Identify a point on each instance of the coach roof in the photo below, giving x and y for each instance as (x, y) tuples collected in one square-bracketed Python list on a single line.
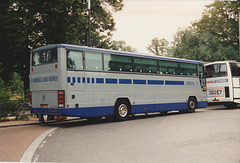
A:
[(107, 51)]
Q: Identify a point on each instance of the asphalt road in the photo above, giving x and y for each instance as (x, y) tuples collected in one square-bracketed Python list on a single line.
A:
[(208, 135)]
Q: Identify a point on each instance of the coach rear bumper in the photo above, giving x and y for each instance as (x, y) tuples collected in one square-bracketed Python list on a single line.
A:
[(46, 111)]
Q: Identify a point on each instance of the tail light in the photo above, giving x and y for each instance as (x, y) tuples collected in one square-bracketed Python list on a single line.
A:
[(30, 98), (61, 99)]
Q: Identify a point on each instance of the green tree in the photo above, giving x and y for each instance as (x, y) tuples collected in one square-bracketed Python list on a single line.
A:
[(12, 98), (16, 84), (25, 25), (220, 19), (214, 37), (158, 46), (121, 46), (190, 44), (4, 102)]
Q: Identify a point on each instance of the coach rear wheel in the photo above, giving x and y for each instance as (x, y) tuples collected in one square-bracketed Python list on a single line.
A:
[(41, 119), (232, 105), (163, 113), (192, 105), (50, 117), (122, 110), (94, 119), (182, 111)]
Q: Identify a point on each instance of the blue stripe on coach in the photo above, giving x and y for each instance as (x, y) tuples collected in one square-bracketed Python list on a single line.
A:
[(156, 82), (139, 81), (123, 81), (111, 81)]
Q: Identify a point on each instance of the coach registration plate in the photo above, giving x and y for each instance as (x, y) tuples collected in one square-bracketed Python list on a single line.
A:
[(217, 92)]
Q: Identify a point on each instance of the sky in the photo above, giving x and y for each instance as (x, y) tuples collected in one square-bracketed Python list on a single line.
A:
[(142, 20)]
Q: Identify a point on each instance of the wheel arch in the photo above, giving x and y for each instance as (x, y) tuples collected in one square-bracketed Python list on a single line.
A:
[(195, 98), (126, 99)]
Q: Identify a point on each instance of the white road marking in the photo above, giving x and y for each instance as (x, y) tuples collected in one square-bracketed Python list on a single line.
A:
[(36, 158), (50, 134), (42, 144), (28, 154)]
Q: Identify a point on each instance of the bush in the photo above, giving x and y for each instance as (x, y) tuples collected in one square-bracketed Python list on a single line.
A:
[(4, 104), (12, 98), (16, 84), (17, 107)]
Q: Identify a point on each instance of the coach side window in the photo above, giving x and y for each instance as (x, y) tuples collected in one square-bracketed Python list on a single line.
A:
[(202, 78), (188, 69), (74, 60), (216, 70), (145, 65), (235, 69), (167, 67), (117, 63), (93, 61)]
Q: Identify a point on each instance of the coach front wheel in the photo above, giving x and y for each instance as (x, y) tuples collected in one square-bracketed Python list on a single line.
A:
[(192, 105), (121, 110)]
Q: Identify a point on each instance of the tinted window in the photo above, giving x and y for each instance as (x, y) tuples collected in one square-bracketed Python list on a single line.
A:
[(188, 69), (216, 70), (167, 67), (44, 57), (202, 76), (235, 69), (93, 61), (117, 63), (145, 65), (74, 60)]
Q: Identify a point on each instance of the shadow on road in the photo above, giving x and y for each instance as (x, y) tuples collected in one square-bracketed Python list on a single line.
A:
[(220, 107), (76, 122)]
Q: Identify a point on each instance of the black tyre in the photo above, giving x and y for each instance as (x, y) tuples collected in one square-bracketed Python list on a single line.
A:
[(94, 119), (192, 105), (232, 105), (41, 119), (163, 113), (182, 111), (121, 110), (50, 117)]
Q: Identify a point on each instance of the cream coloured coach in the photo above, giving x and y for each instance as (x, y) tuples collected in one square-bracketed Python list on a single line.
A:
[(72, 80)]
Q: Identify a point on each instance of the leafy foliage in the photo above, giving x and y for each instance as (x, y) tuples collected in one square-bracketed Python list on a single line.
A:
[(205, 47), (12, 98), (5, 105), (220, 19), (158, 46), (25, 25), (214, 37), (16, 84), (121, 46), (4, 102)]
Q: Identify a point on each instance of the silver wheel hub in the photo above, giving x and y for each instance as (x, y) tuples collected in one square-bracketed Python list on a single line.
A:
[(192, 104), (123, 110)]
